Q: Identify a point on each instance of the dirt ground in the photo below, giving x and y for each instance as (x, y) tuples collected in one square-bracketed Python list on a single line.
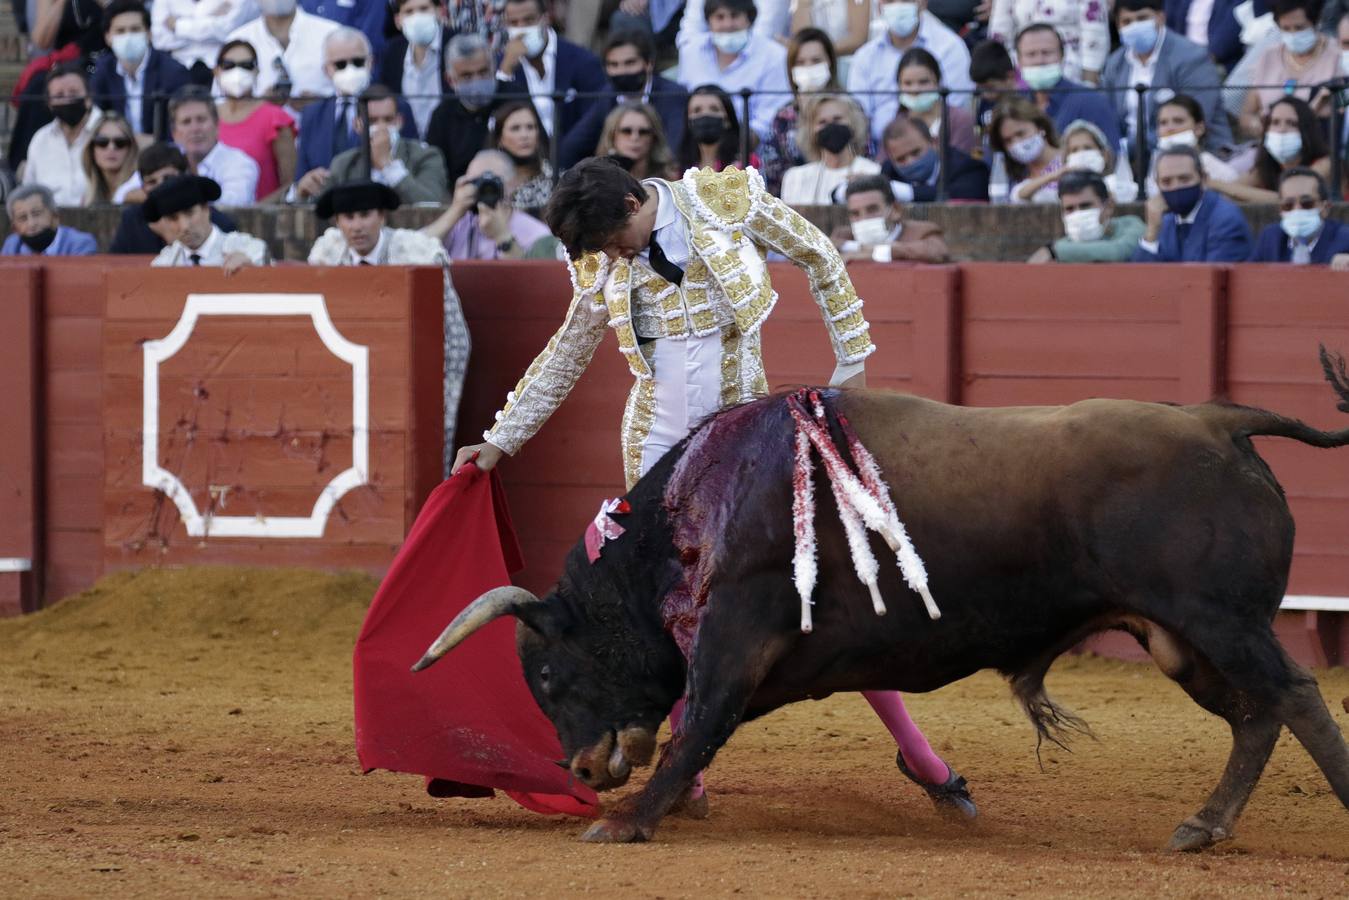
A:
[(189, 732)]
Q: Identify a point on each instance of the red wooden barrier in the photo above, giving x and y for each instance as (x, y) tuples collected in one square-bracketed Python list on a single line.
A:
[(20, 444)]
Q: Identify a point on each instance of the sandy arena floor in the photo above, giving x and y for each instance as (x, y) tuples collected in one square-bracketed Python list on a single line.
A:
[(189, 733)]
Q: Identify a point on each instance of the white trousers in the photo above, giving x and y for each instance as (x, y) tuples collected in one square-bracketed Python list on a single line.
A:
[(688, 388)]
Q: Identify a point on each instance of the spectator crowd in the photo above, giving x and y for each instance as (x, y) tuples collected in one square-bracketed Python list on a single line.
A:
[(474, 107)]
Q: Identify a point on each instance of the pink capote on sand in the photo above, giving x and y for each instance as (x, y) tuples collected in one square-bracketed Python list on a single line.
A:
[(468, 724)]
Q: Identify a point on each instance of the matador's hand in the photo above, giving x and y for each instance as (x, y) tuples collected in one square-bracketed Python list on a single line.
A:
[(485, 456)]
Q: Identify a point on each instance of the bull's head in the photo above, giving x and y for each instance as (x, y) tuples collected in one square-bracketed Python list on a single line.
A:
[(601, 683)]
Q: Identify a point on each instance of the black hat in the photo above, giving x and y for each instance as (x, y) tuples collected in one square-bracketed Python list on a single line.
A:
[(355, 196), (179, 193)]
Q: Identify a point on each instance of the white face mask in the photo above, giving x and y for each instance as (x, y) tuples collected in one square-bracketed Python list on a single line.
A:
[(1283, 145), (871, 231), (277, 7), (1185, 138), (392, 132), (535, 38), (1028, 150), (1083, 225), (901, 18), (420, 28), (1091, 160), (237, 82), (130, 47), (810, 78), (351, 80), (730, 41)]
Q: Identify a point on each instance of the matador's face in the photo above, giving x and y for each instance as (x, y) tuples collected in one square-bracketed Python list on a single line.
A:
[(634, 236)]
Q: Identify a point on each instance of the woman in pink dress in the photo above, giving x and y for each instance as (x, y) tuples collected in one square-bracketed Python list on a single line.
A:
[(263, 130)]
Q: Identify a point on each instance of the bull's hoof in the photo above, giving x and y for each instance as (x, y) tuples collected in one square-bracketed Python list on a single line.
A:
[(951, 798), (614, 831), (1194, 835), (691, 807)]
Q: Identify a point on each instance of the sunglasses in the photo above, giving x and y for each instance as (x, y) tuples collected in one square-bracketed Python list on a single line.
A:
[(1303, 202), (102, 143), (635, 132), (249, 64), (357, 61)]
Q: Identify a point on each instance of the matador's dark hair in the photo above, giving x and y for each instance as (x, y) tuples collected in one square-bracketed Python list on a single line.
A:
[(587, 206)]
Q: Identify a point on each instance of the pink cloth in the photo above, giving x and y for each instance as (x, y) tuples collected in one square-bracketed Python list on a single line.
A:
[(1271, 68), (254, 136)]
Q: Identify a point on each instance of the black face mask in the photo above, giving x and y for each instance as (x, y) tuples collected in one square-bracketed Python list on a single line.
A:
[(39, 242), (630, 83), (707, 129), (70, 112), (834, 136)]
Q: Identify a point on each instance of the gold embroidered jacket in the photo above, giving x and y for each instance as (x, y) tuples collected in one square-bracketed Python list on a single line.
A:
[(732, 222)]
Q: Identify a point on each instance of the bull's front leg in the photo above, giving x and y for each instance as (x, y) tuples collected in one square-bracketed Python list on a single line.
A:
[(731, 658)]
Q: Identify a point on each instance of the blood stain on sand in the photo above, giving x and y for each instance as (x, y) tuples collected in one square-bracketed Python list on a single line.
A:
[(189, 731)]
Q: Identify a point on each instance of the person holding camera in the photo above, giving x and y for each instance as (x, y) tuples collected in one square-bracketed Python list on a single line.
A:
[(481, 223)]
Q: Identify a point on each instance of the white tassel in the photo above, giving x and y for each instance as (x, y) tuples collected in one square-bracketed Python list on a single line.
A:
[(804, 564)]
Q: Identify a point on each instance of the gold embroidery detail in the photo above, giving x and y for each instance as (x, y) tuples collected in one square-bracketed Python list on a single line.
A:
[(726, 193), (731, 388), (638, 416)]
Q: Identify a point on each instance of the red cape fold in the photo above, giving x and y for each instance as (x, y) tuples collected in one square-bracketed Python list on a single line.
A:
[(468, 723)]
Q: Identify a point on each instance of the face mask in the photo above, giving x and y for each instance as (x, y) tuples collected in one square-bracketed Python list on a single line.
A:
[(919, 103), (1027, 150), (130, 47), (476, 93), (1300, 42), (351, 80), (730, 41), (1300, 223), (39, 242), (810, 78), (630, 83), (900, 18), (420, 28), (237, 82), (1091, 160), (1182, 201), (834, 137), (871, 231), (535, 38), (1140, 37), (71, 112), (1042, 78), (1179, 139), (1283, 145), (920, 170), (393, 136), (1083, 225), (276, 7), (707, 129)]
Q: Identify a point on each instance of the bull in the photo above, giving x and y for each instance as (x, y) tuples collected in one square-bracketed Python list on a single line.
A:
[(1039, 527)]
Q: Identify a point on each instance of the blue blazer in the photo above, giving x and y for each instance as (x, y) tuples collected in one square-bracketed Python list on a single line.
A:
[(1219, 233), (1224, 32), (1070, 101), (163, 76), (1273, 244), (577, 70), (667, 97), (317, 123), (69, 242), (1183, 67)]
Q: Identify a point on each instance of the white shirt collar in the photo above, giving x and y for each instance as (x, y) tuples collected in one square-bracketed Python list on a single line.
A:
[(137, 75), (208, 247), (376, 253)]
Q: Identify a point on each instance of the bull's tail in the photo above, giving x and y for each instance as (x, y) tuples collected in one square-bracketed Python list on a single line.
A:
[(1246, 422)]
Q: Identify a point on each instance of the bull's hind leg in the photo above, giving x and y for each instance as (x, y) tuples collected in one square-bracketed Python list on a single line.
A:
[(732, 655), (1304, 711), (1255, 728)]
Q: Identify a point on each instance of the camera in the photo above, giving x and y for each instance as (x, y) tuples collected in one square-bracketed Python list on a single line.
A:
[(490, 189)]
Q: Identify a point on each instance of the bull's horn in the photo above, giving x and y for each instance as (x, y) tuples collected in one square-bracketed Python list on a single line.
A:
[(494, 604)]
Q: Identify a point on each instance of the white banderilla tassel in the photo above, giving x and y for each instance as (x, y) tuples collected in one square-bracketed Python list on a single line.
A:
[(804, 565)]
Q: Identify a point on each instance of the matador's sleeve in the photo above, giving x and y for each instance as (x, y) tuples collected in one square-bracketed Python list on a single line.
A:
[(551, 376), (781, 228)]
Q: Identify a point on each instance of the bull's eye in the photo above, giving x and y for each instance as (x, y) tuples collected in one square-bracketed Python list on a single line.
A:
[(544, 674)]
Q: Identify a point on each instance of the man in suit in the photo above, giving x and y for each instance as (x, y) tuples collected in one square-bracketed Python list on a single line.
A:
[(458, 127), (157, 164), (328, 127), (1185, 222), (878, 231), (1304, 235), (1221, 32), (1039, 53), (134, 79), (1152, 54), (630, 64), (913, 163), (413, 169), (413, 63), (540, 62), (37, 226)]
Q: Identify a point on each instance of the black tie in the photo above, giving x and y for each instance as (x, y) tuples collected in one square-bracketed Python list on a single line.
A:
[(1182, 233), (365, 262), (340, 126), (664, 268), (195, 257)]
